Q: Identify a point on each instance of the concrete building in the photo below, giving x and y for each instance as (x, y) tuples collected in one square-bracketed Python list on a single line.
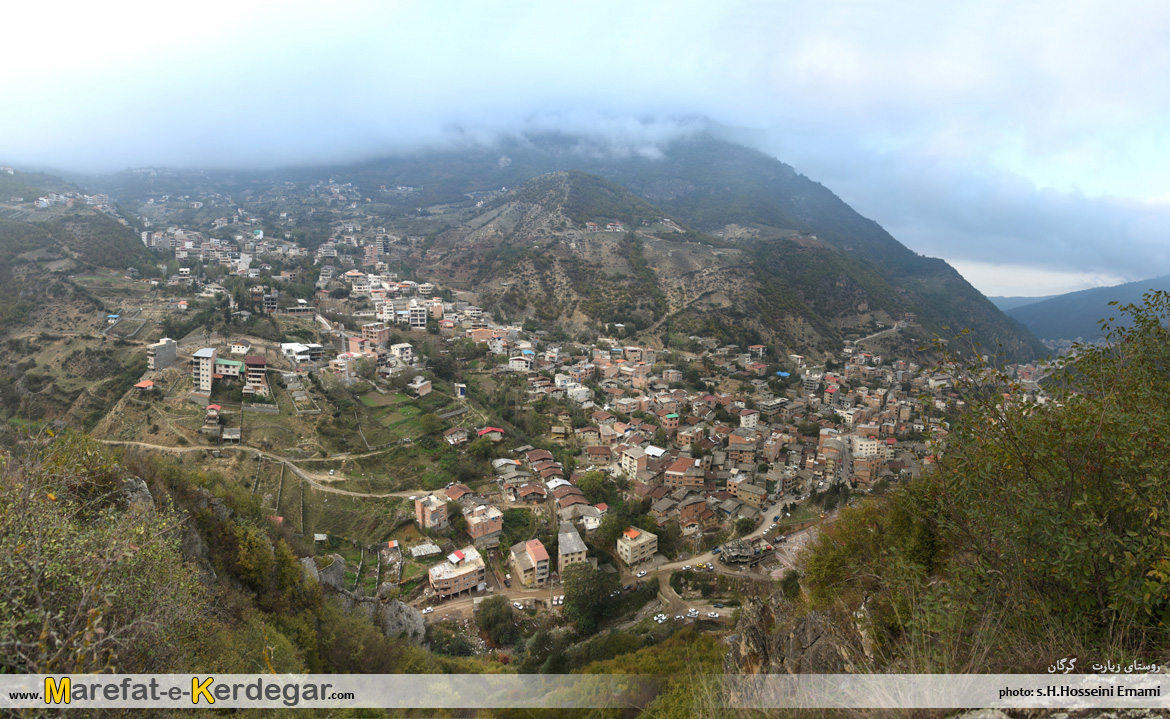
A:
[(570, 547), (636, 545), (419, 314), (633, 460), (530, 562), (462, 572), (485, 524), (403, 351), (430, 512), (161, 354), (255, 375), (203, 368), (377, 333)]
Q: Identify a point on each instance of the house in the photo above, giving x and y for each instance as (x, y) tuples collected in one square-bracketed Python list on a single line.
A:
[(240, 347), (530, 562), (588, 435), (636, 545), (456, 436), (529, 492), (457, 491), (599, 455), (495, 434), (420, 386), (144, 386)]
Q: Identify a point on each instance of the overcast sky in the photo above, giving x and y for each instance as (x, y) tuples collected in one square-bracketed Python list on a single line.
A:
[(1025, 143)]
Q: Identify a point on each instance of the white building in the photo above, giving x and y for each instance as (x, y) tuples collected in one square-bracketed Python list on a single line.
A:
[(202, 369)]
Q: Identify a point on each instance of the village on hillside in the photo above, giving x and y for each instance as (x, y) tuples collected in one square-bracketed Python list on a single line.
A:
[(438, 455)]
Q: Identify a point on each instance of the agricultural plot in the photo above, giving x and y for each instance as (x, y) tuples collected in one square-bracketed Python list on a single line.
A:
[(363, 520)]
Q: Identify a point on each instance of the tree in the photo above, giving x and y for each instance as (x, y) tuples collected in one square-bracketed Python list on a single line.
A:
[(430, 423), (587, 594), (744, 525), (494, 616), (593, 486), (610, 529), (482, 448)]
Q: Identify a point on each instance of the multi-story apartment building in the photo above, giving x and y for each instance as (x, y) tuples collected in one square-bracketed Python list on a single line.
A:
[(255, 375), (530, 562), (463, 571), (419, 314), (636, 545), (485, 524), (202, 369), (377, 333), (161, 354), (633, 460), (570, 547), (430, 512)]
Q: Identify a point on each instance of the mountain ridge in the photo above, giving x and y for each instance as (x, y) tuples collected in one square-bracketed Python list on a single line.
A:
[(1078, 314)]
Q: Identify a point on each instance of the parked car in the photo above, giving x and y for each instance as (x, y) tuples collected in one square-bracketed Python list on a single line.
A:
[(716, 550), (713, 615), (517, 605), (641, 574), (507, 582), (717, 605), (428, 610)]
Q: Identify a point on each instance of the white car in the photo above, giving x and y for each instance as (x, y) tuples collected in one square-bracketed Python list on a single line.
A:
[(687, 568), (713, 615), (678, 616), (692, 613), (428, 610), (641, 574), (517, 605)]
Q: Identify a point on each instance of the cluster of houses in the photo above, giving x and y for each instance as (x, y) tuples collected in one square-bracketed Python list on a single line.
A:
[(207, 368)]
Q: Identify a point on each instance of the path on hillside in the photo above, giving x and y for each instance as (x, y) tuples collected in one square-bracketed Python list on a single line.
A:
[(321, 482)]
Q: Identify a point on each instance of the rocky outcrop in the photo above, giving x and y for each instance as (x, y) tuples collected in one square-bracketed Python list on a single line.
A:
[(135, 494), (309, 565), (333, 574), (401, 620), (194, 549), (771, 640)]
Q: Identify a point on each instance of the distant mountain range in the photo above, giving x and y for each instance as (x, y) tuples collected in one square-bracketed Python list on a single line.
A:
[(751, 244), (1009, 303), (1078, 314)]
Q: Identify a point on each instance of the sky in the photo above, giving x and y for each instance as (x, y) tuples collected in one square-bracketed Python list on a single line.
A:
[(1024, 143)]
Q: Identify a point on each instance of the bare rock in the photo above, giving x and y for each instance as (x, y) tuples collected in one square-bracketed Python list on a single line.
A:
[(398, 619), (309, 565), (333, 574), (136, 494), (220, 510)]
